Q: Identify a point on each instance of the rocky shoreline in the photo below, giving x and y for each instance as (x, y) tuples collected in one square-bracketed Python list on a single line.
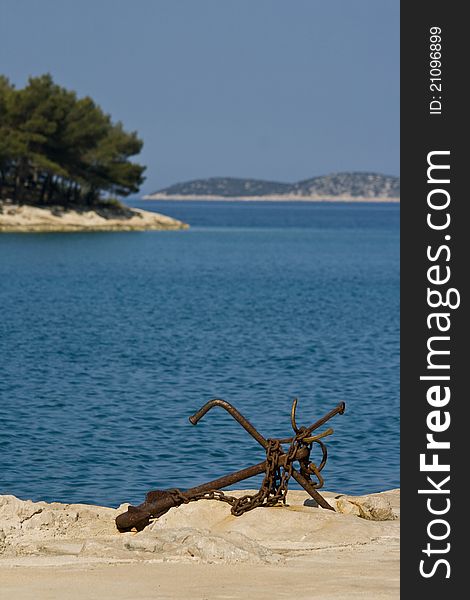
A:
[(353, 552), (24, 218)]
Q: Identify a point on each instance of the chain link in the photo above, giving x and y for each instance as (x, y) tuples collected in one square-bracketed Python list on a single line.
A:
[(275, 483)]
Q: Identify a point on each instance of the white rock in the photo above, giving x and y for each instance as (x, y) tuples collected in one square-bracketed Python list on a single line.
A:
[(372, 508), (202, 531)]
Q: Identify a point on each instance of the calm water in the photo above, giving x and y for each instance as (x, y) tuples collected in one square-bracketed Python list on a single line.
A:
[(109, 341)]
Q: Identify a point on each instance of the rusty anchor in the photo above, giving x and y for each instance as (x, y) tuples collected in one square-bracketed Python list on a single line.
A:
[(278, 467)]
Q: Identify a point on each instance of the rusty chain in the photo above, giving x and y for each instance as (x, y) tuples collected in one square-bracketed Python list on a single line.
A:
[(274, 486)]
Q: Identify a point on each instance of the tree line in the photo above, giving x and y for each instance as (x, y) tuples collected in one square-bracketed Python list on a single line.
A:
[(56, 148)]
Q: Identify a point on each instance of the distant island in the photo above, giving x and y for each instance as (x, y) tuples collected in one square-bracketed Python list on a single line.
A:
[(347, 187)]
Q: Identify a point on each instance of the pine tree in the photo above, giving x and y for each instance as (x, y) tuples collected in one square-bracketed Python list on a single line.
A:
[(58, 149)]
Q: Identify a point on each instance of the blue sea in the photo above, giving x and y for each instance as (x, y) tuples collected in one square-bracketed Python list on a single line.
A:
[(110, 341)]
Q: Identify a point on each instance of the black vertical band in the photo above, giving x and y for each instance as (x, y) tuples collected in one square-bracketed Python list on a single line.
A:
[(434, 269)]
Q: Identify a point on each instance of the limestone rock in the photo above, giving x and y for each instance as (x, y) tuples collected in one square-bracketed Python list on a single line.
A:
[(201, 532), (26, 218), (373, 508), (200, 545)]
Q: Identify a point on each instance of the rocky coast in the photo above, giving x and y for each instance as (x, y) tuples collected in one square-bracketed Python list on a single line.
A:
[(15, 218), (199, 550)]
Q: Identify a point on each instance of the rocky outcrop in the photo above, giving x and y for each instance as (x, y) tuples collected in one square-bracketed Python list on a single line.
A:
[(203, 531), (24, 218), (376, 507)]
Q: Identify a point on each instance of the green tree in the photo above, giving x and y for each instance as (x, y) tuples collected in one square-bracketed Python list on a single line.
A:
[(56, 148)]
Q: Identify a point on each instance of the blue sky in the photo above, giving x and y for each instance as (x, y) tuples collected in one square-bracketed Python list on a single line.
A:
[(271, 89)]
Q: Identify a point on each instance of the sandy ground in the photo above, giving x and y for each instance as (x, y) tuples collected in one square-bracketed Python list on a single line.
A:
[(24, 219), (201, 551)]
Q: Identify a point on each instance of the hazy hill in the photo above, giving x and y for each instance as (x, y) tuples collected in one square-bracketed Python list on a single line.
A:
[(366, 185), (226, 186), (337, 185)]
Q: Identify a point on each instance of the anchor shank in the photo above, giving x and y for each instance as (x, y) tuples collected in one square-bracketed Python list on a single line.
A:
[(158, 502), (227, 480)]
